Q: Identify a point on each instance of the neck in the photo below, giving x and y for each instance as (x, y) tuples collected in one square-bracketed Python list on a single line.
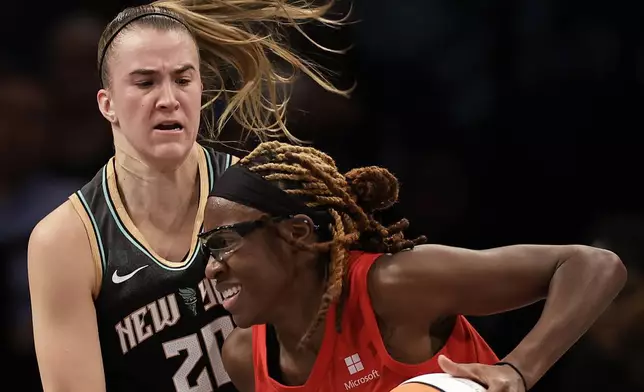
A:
[(158, 195), (293, 319)]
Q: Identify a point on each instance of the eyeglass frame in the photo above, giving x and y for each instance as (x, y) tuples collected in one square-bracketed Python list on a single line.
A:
[(242, 229)]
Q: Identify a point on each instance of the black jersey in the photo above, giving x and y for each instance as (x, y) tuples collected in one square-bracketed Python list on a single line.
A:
[(161, 323)]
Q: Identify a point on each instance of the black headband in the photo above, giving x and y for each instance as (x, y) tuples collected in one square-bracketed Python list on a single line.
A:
[(242, 186), (117, 31)]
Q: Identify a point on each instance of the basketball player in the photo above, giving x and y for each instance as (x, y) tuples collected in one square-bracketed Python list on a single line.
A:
[(327, 299), (119, 297)]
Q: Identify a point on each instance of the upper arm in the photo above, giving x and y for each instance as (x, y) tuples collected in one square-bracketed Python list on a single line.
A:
[(237, 357), (435, 281), (61, 279)]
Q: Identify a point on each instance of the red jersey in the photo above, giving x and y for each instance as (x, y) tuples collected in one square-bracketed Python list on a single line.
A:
[(356, 359)]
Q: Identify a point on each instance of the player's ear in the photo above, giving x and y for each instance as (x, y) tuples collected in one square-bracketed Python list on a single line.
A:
[(105, 105), (298, 229)]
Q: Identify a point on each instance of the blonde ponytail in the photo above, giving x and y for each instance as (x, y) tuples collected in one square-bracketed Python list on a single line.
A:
[(245, 58)]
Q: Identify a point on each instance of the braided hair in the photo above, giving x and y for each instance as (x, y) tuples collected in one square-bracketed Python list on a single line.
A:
[(350, 200)]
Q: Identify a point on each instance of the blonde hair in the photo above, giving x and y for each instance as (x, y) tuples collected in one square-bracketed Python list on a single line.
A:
[(243, 50)]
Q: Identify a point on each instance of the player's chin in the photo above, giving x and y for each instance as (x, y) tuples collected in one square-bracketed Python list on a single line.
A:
[(245, 314), (171, 149), (243, 320)]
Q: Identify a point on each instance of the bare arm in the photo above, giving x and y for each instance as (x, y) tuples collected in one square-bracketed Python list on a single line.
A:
[(237, 357), (61, 279), (432, 281)]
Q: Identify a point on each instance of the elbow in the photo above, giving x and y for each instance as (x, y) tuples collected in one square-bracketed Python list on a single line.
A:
[(616, 271), (608, 266)]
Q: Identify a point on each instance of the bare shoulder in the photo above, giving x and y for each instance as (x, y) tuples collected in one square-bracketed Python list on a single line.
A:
[(59, 242), (418, 271), (384, 278), (238, 359), (61, 223)]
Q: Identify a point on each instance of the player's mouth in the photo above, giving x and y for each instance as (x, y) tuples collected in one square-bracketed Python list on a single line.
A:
[(230, 293), (169, 126)]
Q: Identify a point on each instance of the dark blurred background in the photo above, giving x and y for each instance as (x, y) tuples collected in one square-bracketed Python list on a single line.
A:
[(506, 122)]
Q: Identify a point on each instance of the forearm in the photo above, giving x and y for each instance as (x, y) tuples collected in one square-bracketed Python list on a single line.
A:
[(580, 290)]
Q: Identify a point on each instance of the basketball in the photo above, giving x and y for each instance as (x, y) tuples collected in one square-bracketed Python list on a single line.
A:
[(438, 382)]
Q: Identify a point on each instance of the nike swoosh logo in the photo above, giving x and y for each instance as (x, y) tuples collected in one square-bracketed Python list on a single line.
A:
[(120, 279)]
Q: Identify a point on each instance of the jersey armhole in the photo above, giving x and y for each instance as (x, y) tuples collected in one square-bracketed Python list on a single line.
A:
[(94, 237), (218, 161)]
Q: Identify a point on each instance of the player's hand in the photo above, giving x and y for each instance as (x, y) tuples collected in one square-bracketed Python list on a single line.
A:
[(494, 378)]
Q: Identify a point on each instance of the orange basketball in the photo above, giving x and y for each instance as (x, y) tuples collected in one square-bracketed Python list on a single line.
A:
[(438, 382)]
